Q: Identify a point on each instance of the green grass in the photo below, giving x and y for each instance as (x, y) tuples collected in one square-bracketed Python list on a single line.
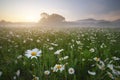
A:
[(76, 43)]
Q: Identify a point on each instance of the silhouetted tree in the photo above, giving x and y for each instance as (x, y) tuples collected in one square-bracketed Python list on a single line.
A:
[(51, 19)]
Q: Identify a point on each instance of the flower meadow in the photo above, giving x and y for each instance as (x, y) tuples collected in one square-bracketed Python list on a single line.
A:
[(59, 54)]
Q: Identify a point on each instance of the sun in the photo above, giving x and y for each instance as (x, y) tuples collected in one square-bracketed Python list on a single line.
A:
[(31, 19)]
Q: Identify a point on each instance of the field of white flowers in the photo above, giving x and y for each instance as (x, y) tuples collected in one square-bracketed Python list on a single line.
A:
[(69, 54)]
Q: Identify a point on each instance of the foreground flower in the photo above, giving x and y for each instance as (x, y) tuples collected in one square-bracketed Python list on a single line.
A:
[(110, 75), (14, 77), (91, 73), (47, 72), (58, 51), (63, 58), (0, 73), (20, 56), (51, 48), (18, 73), (101, 65), (116, 72), (71, 71), (33, 53), (96, 59), (35, 77), (58, 67), (92, 50), (110, 66), (115, 58)]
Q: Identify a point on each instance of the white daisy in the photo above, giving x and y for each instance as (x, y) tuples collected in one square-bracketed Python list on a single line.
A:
[(101, 65), (91, 73), (58, 51), (37, 40), (51, 48), (18, 73), (33, 53), (110, 75), (20, 56), (110, 66), (0, 73), (115, 58), (92, 50), (47, 72), (35, 77), (58, 67), (96, 59), (71, 71), (63, 58)]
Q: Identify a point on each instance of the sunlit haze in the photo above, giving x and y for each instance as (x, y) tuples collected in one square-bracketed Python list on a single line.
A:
[(30, 10)]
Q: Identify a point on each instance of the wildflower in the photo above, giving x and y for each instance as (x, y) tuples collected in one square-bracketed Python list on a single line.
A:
[(101, 65), (115, 58), (51, 48), (83, 59), (54, 44), (58, 67), (0, 73), (78, 42), (91, 73), (63, 58), (66, 57), (47, 72), (24, 41), (0, 47), (38, 41), (110, 75), (14, 77), (92, 50), (31, 39), (96, 59), (71, 71), (18, 73), (20, 56), (58, 51), (33, 53), (66, 63), (35, 77), (110, 66), (48, 40), (116, 72), (103, 45), (17, 36)]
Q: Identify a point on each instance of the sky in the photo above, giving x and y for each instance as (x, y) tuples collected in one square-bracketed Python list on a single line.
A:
[(30, 10)]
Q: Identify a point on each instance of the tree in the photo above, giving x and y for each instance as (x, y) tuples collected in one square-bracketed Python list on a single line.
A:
[(51, 19)]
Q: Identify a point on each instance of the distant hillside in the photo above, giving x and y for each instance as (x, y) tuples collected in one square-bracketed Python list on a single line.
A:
[(90, 22)]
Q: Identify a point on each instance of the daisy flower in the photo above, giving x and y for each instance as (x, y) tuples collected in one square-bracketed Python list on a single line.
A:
[(47, 72), (71, 71), (58, 67), (91, 73), (1, 73), (92, 50), (96, 59), (35, 77), (58, 51), (18, 73), (33, 53)]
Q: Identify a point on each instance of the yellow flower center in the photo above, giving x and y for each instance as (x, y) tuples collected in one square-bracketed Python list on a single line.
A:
[(33, 53), (97, 59), (59, 66)]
